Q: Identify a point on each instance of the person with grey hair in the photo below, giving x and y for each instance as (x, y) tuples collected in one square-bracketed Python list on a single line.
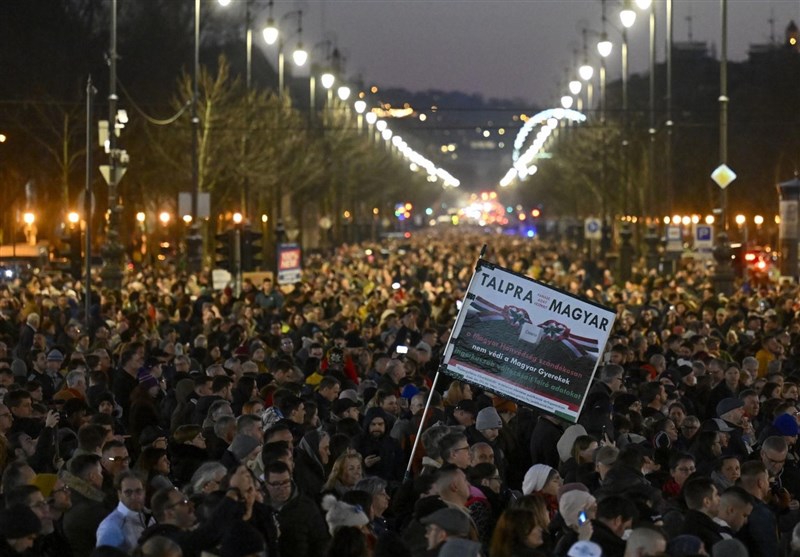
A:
[(224, 432), (380, 498), (734, 548), (645, 541), (76, 381), (207, 478), (430, 438)]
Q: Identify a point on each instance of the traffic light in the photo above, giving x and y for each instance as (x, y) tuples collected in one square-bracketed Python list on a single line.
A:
[(252, 252), (223, 250)]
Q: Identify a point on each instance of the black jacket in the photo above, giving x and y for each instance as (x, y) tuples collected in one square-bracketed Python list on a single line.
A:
[(304, 532), (701, 525), (543, 443), (612, 544)]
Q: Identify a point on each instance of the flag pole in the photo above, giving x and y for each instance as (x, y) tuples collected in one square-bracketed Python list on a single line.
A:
[(408, 474)]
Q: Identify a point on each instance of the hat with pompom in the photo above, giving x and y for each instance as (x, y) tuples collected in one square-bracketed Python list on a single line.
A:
[(340, 514)]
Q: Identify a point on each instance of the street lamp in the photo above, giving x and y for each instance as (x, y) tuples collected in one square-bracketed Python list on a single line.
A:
[(575, 87), (270, 31), (566, 101), (327, 79), (164, 217), (343, 92), (360, 106), (73, 217)]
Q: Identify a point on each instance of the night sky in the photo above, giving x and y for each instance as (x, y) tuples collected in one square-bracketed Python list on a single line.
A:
[(507, 48)]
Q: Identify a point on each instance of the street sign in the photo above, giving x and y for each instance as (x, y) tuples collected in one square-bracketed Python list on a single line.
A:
[(593, 229), (119, 172), (203, 204), (674, 238), (703, 237), (723, 175)]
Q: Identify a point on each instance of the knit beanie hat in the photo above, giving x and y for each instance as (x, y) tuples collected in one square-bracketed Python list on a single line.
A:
[(685, 545), (146, 379), (488, 418), (241, 540), (18, 521), (340, 514), (535, 478), (242, 445), (786, 424), (572, 503), (567, 440), (45, 483)]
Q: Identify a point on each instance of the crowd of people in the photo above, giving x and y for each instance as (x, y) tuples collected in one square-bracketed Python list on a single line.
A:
[(308, 420)]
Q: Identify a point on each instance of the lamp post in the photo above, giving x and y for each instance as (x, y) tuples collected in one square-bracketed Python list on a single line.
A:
[(627, 17), (299, 56), (194, 241), (723, 277), (112, 250)]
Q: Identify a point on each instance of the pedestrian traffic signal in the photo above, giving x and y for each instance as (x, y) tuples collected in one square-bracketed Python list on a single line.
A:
[(223, 250), (252, 250)]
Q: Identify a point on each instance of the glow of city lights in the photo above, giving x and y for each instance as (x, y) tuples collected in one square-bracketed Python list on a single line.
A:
[(187, 219), (386, 134), (586, 72), (28, 218), (566, 101), (676, 219), (710, 219), (740, 219), (140, 216), (360, 106), (164, 217), (300, 56), (371, 118), (422, 117), (686, 220), (237, 218), (73, 217), (343, 92), (695, 219), (575, 87), (758, 220), (666, 220), (264, 218), (380, 125), (327, 79)]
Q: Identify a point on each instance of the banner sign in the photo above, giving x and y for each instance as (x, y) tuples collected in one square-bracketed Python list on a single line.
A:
[(289, 269), (524, 340)]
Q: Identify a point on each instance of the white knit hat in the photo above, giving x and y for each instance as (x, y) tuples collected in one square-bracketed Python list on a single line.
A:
[(340, 514), (535, 478)]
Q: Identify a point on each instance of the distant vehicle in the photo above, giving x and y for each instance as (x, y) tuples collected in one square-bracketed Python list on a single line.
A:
[(757, 263)]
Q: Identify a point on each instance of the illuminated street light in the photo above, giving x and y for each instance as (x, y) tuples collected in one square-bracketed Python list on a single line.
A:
[(343, 92), (264, 218), (758, 220), (164, 218), (327, 79), (360, 106), (644, 4), (740, 219), (187, 219), (224, 3), (237, 218), (386, 134), (300, 56), (28, 218), (566, 101), (586, 72), (73, 217), (575, 86), (140, 217), (372, 118), (604, 47), (380, 125), (627, 15), (270, 32)]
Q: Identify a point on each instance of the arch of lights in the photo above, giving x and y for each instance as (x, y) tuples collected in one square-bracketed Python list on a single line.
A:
[(546, 121)]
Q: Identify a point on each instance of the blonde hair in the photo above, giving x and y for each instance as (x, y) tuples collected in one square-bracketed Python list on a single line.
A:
[(337, 470)]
